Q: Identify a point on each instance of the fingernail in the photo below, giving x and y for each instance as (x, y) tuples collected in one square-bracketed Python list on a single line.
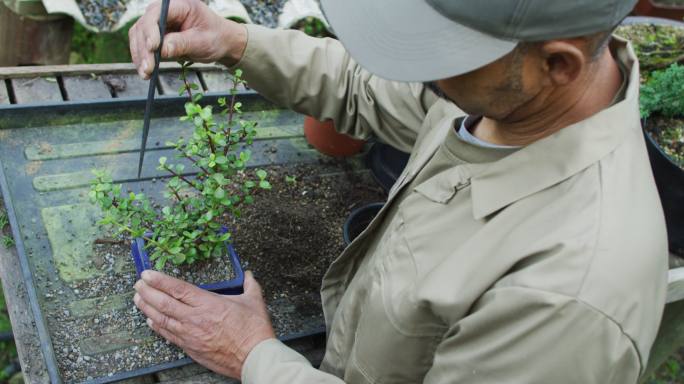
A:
[(150, 323), (169, 49), (136, 298), (144, 66), (146, 276)]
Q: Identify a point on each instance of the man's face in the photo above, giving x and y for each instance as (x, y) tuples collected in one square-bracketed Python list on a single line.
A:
[(495, 90)]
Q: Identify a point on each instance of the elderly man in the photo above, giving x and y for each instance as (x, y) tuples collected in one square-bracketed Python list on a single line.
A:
[(524, 242)]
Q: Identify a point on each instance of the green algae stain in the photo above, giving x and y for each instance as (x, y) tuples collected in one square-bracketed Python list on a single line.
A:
[(71, 230)]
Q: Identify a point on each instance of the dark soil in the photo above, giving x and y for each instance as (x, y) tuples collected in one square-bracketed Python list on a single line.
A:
[(287, 238), (669, 134)]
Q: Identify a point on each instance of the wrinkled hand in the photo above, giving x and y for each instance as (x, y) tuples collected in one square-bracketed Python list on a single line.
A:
[(194, 32), (216, 331)]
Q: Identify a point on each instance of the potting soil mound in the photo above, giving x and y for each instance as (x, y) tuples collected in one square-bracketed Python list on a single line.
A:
[(287, 238)]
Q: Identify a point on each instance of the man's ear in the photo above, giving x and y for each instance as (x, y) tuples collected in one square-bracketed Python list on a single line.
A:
[(563, 60)]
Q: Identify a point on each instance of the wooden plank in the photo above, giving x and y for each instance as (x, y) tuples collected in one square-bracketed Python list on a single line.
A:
[(4, 94), (675, 285), (311, 348), (206, 378), (87, 69), (21, 316), (127, 85), (149, 379), (191, 370), (36, 90), (218, 81), (170, 82), (86, 87), (24, 41)]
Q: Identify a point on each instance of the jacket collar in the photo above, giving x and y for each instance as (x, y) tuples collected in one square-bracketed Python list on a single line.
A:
[(553, 159)]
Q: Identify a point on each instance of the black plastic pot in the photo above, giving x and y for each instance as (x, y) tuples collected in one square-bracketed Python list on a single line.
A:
[(358, 221), (386, 164), (227, 287), (669, 178)]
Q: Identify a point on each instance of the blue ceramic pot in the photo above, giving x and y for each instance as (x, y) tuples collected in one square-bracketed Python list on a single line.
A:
[(227, 287)]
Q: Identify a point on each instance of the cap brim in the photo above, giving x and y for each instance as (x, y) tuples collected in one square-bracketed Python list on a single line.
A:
[(409, 40)]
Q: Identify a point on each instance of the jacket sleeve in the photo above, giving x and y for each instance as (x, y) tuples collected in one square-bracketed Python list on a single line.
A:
[(317, 77), (520, 335), (272, 362)]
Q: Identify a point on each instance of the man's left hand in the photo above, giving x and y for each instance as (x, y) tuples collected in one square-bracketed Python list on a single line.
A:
[(216, 331)]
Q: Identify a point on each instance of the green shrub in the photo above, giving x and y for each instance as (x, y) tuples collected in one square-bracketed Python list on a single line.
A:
[(663, 93), (188, 228)]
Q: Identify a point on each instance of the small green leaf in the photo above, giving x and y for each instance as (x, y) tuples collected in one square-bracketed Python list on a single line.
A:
[(261, 174), (219, 194), (162, 161), (264, 184)]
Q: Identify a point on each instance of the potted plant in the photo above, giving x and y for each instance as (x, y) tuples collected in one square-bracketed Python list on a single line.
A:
[(184, 235), (658, 44), (662, 111)]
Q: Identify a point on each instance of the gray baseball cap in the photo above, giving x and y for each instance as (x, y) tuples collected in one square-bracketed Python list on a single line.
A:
[(424, 40)]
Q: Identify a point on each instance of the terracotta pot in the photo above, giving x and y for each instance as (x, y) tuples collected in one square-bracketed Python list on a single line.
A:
[(323, 137)]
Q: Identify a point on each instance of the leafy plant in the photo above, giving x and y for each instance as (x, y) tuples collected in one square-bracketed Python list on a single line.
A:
[(188, 227), (664, 93), (313, 26), (7, 241)]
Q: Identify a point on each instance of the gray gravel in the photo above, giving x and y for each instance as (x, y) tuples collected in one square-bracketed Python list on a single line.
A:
[(264, 12), (102, 14), (105, 14)]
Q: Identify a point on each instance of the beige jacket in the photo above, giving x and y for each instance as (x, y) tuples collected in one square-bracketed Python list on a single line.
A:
[(545, 264)]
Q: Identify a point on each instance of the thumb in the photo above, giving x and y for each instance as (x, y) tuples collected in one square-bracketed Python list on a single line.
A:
[(176, 44), (178, 289), (251, 286)]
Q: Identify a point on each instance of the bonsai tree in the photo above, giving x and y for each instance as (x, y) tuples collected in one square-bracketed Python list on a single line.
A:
[(663, 96), (187, 227)]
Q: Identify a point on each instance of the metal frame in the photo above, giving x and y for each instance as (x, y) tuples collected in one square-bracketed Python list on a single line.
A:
[(164, 104)]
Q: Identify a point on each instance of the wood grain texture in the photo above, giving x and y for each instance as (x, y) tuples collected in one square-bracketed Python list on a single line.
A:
[(170, 82), (24, 41), (217, 81), (86, 87), (206, 378), (4, 94), (21, 316), (36, 90), (127, 85), (87, 69)]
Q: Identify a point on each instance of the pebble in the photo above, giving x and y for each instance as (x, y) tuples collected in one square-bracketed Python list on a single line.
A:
[(264, 12)]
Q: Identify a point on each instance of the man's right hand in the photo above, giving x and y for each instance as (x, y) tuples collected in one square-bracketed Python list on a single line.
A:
[(194, 32)]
